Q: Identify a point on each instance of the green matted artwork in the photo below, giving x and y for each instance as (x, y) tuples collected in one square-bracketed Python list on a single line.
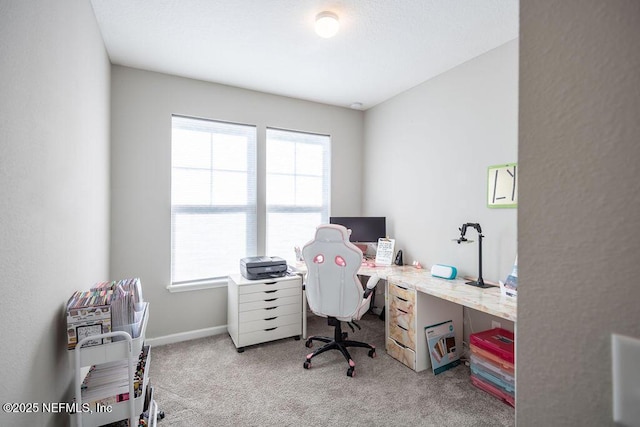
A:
[(502, 186)]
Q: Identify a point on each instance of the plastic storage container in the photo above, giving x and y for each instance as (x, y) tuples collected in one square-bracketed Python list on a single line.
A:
[(132, 329), (498, 341), (493, 363), (493, 374), (506, 366), (493, 390)]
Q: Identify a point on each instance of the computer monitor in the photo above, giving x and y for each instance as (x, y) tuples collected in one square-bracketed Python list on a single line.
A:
[(364, 229)]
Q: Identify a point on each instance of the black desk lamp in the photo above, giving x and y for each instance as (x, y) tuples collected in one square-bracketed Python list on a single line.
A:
[(463, 230)]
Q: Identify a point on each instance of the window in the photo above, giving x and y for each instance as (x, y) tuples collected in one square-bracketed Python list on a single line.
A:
[(297, 189), (217, 217), (213, 198)]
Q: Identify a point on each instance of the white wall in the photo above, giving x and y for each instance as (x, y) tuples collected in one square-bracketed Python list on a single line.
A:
[(579, 205), (142, 105), (426, 156), (54, 183)]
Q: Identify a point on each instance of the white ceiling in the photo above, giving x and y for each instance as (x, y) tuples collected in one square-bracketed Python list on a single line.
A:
[(383, 48)]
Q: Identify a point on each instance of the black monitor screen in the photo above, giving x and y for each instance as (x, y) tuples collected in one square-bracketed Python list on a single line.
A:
[(364, 229)]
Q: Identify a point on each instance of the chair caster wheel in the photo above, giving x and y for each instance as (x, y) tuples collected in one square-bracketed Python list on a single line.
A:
[(308, 344), (372, 353), (306, 365), (350, 372), (345, 336)]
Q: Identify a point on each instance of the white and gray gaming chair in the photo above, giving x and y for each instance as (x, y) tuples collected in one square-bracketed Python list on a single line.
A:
[(333, 289)]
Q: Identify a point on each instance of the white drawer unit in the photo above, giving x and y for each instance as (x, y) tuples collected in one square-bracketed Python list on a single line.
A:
[(263, 310), (408, 313)]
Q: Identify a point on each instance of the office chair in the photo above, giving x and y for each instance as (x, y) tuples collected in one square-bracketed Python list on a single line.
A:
[(334, 291)]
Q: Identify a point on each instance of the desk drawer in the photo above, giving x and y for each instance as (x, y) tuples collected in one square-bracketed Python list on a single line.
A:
[(401, 313), (270, 323), (269, 312), (403, 335), (273, 333), (403, 354), (403, 294), (270, 303), (269, 286), (270, 294)]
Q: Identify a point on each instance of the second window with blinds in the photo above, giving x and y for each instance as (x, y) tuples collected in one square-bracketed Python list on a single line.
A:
[(297, 189), (216, 214)]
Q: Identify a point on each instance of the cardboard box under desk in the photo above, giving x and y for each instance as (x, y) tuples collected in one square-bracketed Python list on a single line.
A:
[(87, 321)]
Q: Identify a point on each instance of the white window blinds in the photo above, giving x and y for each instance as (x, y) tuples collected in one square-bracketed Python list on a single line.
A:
[(213, 198), (297, 189)]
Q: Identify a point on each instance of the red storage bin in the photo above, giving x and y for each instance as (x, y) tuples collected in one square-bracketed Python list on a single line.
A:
[(493, 390), (498, 341)]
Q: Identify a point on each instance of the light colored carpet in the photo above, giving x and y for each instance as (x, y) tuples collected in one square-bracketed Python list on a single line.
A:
[(205, 382)]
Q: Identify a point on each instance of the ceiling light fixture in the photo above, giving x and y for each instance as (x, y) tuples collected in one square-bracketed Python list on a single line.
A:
[(327, 24)]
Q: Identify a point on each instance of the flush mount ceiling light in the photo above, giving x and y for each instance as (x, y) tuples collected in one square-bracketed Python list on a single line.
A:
[(327, 24)]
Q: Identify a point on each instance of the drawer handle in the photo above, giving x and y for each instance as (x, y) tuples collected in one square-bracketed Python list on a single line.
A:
[(400, 344), (270, 283), (271, 329), (271, 308), (401, 287), (270, 292), (272, 318), (405, 312), (402, 299), (402, 327), (271, 299)]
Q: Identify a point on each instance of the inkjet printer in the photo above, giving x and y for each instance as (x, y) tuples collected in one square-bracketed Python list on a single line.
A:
[(263, 267)]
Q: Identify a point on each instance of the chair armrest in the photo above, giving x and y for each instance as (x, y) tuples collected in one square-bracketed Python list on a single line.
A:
[(371, 284)]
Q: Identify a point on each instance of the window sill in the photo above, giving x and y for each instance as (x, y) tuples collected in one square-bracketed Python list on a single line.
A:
[(197, 286)]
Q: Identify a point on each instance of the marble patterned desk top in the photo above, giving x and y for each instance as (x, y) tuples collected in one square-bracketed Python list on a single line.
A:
[(489, 300)]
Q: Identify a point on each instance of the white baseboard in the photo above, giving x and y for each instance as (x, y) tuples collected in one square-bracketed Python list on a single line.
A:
[(186, 336)]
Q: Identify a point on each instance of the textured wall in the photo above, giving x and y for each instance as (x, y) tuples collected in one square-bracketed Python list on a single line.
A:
[(54, 184), (427, 151), (579, 205), (142, 104)]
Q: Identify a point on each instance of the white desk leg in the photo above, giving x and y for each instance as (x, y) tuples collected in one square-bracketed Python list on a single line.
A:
[(304, 309), (304, 314)]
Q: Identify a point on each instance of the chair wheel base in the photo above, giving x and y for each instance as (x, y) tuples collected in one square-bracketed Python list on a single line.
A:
[(372, 353), (351, 372), (306, 365)]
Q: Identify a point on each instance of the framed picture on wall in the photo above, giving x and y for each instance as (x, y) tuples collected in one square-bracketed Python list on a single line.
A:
[(502, 186)]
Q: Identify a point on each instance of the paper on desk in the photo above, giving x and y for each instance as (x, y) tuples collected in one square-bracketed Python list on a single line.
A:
[(384, 253)]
